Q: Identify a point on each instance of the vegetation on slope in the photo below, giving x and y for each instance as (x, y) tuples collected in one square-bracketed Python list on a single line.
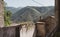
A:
[(32, 13), (7, 16)]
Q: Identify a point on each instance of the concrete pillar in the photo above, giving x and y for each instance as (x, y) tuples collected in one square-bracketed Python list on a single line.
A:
[(1, 13), (40, 29)]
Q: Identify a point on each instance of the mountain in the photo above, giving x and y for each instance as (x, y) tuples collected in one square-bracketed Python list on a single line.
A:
[(31, 13), (13, 9)]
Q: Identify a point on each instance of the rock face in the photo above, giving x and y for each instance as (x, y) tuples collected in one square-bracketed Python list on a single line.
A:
[(1, 14)]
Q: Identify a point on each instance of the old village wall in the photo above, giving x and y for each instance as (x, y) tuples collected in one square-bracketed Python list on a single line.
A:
[(1, 13)]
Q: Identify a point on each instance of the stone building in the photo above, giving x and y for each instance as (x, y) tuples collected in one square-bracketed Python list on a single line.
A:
[(50, 23), (46, 26), (1, 13), (40, 29)]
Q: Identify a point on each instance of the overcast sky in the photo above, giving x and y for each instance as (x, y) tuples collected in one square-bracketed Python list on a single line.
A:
[(23, 3)]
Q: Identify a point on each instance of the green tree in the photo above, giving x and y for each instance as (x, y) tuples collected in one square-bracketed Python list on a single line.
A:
[(7, 15)]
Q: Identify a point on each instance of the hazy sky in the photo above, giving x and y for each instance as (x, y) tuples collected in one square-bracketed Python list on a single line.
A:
[(23, 3)]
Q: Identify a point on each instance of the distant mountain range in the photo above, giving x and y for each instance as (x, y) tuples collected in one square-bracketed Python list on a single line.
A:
[(13, 9), (31, 13)]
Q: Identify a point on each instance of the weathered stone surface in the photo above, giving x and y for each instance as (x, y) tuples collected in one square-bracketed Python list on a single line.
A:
[(50, 23), (1, 13), (12, 31), (1, 32), (7, 32), (41, 29), (27, 29)]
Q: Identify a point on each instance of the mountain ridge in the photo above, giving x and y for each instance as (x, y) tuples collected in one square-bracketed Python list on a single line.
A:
[(32, 13), (13, 9)]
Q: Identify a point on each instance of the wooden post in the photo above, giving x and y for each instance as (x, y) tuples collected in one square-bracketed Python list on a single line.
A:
[(57, 13), (1, 13)]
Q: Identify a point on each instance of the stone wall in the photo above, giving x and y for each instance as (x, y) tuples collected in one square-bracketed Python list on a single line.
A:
[(28, 29), (40, 29), (50, 23), (12, 31), (44, 28), (1, 13)]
